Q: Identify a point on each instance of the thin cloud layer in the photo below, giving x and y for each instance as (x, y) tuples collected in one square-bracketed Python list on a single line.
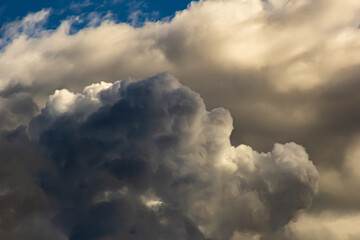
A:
[(147, 159)]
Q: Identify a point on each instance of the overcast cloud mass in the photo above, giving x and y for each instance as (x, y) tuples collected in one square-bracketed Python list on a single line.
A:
[(231, 120)]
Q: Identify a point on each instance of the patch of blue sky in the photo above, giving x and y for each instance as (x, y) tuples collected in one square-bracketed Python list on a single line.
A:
[(134, 12)]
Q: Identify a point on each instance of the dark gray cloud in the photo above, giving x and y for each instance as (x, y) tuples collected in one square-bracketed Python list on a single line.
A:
[(25, 210), (16, 109), (150, 161)]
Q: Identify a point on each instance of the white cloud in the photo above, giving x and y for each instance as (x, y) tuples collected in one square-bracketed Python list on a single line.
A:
[(30, 26), (293, 45)]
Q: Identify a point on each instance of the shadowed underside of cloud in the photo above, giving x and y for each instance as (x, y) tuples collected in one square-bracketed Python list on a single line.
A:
[(146, 160)]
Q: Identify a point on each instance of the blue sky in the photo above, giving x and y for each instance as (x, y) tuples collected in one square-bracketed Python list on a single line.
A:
[(121, 10)]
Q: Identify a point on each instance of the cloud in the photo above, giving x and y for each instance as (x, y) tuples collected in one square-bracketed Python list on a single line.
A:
[(31, 26), (326, 226), (301, 34), (24, 208), (19, 108), (149, 160), (286, 70), (273, 58)]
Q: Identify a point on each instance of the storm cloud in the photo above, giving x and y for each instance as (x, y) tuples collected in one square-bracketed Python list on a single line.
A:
[(144, 159), (150, 157)]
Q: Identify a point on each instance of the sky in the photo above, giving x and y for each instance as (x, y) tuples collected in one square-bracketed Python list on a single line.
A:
[(203, 120), (122, 9)]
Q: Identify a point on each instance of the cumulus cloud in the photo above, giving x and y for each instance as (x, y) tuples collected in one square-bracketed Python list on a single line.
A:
[(254, 57), (300, 33), (287, 71), (148, 159)]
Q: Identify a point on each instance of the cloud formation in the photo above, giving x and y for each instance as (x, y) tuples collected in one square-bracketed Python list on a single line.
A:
[(148, 159), (286, 70), (264, 29)]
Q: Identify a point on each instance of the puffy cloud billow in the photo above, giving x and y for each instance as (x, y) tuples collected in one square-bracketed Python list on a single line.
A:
[(146, 160)]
